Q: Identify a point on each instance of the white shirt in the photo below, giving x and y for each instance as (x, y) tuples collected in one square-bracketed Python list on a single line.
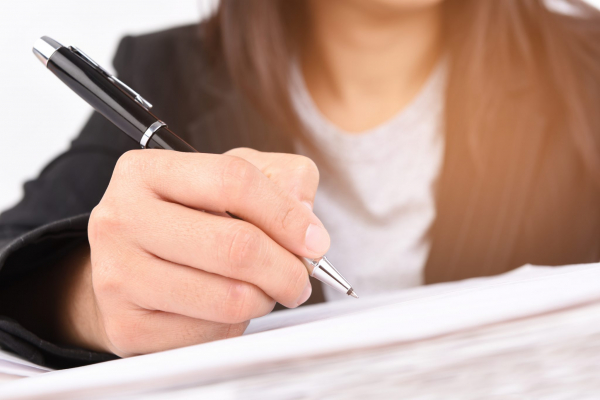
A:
[(376, 194)]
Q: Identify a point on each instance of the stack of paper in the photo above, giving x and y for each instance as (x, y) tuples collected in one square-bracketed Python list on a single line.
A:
[(13, 367), (534, 332)]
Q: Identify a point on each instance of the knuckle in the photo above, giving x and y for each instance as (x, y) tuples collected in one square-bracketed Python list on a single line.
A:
[(237, 176), (94, 228), (241, 151), (306, 169), (303, 162), (295, 282), (292, 218), (244, 248), (131, 164), (238, 305), (104, 220)]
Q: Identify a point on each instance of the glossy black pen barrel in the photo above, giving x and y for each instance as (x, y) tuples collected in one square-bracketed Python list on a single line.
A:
[(100, 93), (164, 138)]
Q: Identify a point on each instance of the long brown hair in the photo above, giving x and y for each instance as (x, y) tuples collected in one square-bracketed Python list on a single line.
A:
[(500, 50)]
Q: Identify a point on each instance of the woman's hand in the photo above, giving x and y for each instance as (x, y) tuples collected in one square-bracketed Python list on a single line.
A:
[(163, 273)]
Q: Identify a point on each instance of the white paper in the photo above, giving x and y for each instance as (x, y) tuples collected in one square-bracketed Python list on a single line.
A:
[(328, 329), (11, 364), (337, 309)]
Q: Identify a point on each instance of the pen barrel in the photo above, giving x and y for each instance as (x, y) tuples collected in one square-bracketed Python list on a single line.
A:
[(100, 93), (164, 138)]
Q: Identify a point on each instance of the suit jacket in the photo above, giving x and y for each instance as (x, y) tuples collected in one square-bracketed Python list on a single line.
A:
[(529, 200)]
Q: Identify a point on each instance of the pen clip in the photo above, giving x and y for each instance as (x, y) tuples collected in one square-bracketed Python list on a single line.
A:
[(117, 82)]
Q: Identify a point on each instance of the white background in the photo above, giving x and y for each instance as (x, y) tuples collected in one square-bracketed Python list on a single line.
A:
[(39, 115)]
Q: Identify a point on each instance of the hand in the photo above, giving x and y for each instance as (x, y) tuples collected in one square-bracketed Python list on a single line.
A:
[(163, 273)]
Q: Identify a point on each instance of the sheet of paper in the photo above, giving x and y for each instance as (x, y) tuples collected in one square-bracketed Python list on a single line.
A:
[(331, 329), (8, 378), (552, 357), (351, 305), (11, 364)]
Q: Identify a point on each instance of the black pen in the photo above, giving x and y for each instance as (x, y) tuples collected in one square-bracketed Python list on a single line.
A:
[(130, 112)]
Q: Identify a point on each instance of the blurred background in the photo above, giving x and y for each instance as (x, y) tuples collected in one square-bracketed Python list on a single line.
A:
[(40, 115)]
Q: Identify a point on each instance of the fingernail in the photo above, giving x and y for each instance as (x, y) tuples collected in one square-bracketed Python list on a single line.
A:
[(305, 294), (308, 204), (317, 239)]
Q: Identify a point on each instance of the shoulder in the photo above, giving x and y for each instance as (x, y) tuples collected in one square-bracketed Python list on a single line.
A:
[(162, 47), (159, 60)]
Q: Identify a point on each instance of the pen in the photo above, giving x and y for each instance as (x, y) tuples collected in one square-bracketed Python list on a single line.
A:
[(130, 112)]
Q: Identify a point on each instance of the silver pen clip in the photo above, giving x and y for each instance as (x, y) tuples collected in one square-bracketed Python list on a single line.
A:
[(120, 84)]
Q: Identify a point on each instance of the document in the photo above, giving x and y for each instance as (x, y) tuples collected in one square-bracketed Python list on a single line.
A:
[(354, 343), (10, 364), (13, 367)]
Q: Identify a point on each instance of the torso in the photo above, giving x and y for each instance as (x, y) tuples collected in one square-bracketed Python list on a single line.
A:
[(376, 193)]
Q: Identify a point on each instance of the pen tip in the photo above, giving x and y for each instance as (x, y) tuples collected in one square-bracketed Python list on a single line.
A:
[(353, 293)]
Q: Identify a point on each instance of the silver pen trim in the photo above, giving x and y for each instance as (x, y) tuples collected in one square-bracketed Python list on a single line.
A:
[(322, 270), (44, 47), (149, 132)]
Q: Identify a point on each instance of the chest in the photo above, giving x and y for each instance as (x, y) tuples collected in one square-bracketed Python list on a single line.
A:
[(529, 200)]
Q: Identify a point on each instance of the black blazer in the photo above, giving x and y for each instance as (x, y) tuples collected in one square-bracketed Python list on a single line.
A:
[(531, 200)]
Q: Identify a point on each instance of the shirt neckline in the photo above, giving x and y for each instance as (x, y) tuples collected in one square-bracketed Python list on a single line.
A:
[(425, 104)]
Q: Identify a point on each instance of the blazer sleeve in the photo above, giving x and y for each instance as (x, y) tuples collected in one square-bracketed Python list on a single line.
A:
[(52, 218)]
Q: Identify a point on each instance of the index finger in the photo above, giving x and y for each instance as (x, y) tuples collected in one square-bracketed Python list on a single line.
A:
[(295, 174), (223, 183)]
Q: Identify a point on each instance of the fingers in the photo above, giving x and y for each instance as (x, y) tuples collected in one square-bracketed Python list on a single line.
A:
[(166, 274), (224, 246), (224, 183), (142, 332), (197, 294), (295, 174)]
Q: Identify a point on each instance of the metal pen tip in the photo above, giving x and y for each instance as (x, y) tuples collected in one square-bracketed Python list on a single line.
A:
[(352, 293), (44, 47)]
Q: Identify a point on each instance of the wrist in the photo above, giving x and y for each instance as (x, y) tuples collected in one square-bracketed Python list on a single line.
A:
[(78, 318)]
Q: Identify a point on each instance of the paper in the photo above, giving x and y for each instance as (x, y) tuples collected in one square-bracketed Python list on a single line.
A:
[(552, 357), (337, 309), (329, 330), (13, 365)]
